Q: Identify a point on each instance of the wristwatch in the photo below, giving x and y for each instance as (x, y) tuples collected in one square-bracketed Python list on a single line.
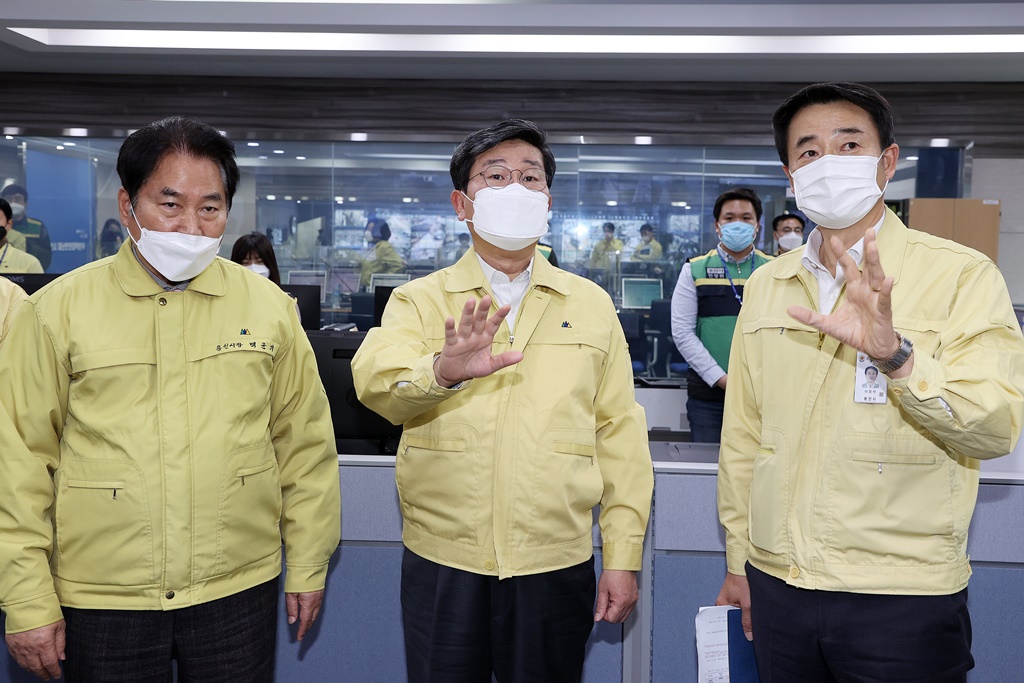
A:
[(896, 360)]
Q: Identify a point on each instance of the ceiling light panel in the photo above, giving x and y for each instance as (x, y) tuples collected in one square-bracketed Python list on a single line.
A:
[(524, 44)]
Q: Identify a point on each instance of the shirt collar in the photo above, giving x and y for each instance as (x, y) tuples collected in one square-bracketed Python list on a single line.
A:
[(811, 257), (495, 276), (158, 278), (727, 257)]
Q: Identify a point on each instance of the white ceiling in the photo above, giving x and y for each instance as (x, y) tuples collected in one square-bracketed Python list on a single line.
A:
[(516, 39)]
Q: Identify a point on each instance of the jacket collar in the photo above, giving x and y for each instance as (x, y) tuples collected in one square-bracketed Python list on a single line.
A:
[(135, 281), (892, 244), (466, 275)]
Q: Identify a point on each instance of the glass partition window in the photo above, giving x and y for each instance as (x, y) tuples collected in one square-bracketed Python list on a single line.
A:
[(316, 200)]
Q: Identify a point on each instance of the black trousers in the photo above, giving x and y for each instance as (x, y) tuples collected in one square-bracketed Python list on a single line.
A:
[(815, 636), (460, 627), (227, 640)]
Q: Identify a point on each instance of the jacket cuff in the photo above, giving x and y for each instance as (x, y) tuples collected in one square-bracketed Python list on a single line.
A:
[(736, 560), (305, 579), (25, 616), (627, 556)]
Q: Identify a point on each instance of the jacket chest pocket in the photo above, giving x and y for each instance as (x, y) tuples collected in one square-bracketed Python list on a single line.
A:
[(241, 370), (112, 390), (572, 360)]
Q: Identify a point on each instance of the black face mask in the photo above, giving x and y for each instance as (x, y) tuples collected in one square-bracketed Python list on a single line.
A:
[(3, 233)]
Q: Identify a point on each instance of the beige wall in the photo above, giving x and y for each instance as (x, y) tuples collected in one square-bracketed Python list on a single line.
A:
[(1003, 179)]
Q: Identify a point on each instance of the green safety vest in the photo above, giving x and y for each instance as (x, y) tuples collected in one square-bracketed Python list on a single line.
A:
[(717, 304)]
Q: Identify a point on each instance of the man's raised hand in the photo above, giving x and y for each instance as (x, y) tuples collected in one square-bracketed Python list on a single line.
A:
[(467, 349)]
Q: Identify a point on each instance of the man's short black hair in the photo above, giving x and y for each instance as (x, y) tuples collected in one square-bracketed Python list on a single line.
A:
[(479, 142), (856, 94), (783, 216), (743, 194), (143, 150), (608, 226), (13, 189), (647, 227), (5, 208), (871, 367)]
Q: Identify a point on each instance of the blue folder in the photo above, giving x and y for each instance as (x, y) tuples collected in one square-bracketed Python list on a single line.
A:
[(742, 667)]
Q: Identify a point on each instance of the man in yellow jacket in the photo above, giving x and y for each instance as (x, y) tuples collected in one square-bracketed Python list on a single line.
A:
[(12, 259), (162, 429), (519, 420), (846, 514), (11, 296)]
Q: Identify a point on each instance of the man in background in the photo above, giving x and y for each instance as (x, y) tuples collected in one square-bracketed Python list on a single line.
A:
[(608, 251), (518, 421), (28, 234), (12, 259), (846, 515), (707, 298), (649, 248), (788, 231), (162, 429)]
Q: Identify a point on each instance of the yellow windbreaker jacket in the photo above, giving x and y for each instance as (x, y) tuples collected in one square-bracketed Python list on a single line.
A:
[(499, 476), (830, 494), (155, 447)]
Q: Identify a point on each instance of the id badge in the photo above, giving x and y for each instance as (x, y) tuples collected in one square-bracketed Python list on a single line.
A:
[(869, 385)]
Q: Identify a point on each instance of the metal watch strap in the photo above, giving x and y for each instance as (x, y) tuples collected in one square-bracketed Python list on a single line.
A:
[(896, 361)]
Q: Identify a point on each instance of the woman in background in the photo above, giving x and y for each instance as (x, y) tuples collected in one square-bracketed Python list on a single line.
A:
[(111, 238), (255, 252)]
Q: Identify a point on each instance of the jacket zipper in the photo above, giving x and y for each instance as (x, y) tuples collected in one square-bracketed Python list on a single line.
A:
[(842, 290)]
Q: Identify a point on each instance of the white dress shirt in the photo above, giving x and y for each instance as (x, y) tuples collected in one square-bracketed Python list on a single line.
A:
[(684, 323), (829, 288), (508, 291)]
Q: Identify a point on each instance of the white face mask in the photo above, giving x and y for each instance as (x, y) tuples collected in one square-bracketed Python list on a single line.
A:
[(511, 217), (175, 255), (259, 269), (837, 191), (791, 240), (17, 210)]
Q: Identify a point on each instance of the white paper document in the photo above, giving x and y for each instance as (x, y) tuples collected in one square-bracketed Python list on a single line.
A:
[(713, 644)]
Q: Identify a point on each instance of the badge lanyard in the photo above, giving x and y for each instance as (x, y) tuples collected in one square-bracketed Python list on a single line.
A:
[(4, 255), (735, 292)]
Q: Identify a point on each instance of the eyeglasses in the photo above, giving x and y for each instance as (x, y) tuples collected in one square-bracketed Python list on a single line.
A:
[(500, 176)]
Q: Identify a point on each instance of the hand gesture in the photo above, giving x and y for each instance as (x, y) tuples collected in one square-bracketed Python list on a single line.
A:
[(467, 352), (864, 321)]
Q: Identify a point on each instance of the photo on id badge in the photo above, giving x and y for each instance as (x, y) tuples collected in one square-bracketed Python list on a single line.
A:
[(869, 387)]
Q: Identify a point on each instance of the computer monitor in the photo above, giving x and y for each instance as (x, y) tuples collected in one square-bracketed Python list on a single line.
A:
[(308, 299), (357, 429), (309, 277), (31, 282), (381, 296), (636, 268), (639, 292), (387, 280)]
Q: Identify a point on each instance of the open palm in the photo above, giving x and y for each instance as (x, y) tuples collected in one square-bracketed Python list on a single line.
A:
[(864, 320), (467, 349)]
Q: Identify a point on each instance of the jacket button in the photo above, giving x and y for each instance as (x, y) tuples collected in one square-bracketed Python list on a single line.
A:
[(163, 301), (488, 565), (794, 572), (923, 385), (897, 391), (170, 595)]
